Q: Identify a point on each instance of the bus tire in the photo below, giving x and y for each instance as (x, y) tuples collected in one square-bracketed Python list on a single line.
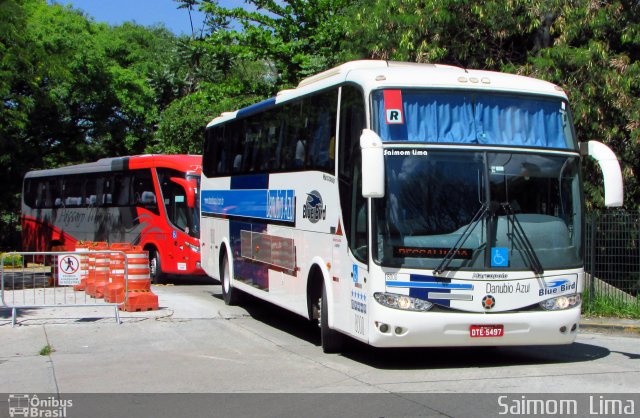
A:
[(230, 295), (155, 267), (331, 340)]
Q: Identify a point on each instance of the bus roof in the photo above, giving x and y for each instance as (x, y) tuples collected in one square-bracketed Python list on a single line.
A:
[(181, 162), (375, 74)]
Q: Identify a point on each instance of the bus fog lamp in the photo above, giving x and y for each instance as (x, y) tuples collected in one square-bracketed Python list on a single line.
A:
[(402, 302), (561, 302)]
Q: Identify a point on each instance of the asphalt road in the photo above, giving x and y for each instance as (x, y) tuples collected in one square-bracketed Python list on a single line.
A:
[(196, 344)]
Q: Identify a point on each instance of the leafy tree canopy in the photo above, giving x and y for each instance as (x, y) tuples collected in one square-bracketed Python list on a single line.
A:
[(74, 90)]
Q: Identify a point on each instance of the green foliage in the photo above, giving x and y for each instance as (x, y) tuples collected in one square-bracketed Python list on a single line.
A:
[(595, 58), (471, 34), (74, 90), (609, 306), (46, 350), (298, 38), (11, 260)]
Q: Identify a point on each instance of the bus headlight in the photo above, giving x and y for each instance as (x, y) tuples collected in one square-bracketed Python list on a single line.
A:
[(193, 248), (561, 302), (407, 303)]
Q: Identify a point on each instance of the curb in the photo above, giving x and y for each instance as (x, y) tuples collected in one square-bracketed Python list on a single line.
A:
[(612, 327)]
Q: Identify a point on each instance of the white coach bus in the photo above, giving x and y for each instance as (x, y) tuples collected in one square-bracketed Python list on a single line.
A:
[(405, 205)]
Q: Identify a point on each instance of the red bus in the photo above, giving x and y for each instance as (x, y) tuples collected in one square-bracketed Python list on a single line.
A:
[(147, 200)]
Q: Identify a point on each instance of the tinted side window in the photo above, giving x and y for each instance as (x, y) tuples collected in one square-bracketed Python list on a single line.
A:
[(122, 190), (30, 192), (320, 111), (144, 191), (53, 193), (72, 191), (298, 135), (91, 190), (213, 161)]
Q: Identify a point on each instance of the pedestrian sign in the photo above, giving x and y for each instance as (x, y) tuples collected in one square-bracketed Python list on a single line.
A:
[(68, 270)]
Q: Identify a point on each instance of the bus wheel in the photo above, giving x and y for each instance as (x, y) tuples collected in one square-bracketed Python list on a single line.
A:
[(230, 295), (331, 340), (155, 268)]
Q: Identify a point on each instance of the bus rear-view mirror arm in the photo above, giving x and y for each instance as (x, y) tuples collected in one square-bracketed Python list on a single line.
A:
[(189, 190), (372, 164), (613, 188)]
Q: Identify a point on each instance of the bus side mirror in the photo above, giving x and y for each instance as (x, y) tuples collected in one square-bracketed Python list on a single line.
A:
[(188, 189), (613, 188), (372, 164)]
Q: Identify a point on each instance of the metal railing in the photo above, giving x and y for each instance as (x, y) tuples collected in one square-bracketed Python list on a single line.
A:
[(612, 254), (47, 279)]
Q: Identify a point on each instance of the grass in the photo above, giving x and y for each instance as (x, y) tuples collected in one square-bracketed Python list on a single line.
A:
[(46, 350), (608, 306)]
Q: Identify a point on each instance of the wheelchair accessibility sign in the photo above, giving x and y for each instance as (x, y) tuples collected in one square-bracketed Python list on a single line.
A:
[(499, 257), (68, 270)]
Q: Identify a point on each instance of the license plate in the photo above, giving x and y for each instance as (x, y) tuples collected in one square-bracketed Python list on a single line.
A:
[(485, 331)]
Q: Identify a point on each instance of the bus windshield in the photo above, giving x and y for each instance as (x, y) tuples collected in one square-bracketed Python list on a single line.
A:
[(484, 210), (472, 117), (176, 190), (195, 211)]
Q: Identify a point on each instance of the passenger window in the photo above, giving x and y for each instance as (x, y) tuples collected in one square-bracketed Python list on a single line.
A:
[(144, 191)]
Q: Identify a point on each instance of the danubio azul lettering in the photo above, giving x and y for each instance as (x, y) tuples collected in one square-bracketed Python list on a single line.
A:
[(280, 205)]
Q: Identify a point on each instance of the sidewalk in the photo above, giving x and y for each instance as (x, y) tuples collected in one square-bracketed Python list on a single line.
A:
[(612, 325)]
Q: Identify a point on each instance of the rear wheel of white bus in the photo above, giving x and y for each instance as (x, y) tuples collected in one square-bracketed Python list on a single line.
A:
[(230, 295)]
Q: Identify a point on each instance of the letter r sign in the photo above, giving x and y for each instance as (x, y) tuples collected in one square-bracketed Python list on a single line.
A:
[(394, 116), (393, 106)]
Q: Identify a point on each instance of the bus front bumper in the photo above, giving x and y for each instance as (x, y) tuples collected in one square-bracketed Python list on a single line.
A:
[(397, 328)]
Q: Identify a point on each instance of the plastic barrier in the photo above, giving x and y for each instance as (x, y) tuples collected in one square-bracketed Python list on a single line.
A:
[(139, 294), (98, 270), (114, 291), (83, 247)]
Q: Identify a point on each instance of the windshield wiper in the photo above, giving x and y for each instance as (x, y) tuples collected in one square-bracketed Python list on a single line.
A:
[(444, 264), (520, 237)]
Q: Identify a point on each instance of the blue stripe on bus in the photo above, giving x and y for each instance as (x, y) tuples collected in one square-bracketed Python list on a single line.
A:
[(259, 181), (256, 108), (445, 286), (276, 205), (430, 285)]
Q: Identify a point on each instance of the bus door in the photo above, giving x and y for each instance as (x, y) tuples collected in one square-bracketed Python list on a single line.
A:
[(351, 249), (350, 254)]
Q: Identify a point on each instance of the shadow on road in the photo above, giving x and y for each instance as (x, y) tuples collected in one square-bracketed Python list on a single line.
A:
[(448, 357), (187, 280), (422, 358)]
